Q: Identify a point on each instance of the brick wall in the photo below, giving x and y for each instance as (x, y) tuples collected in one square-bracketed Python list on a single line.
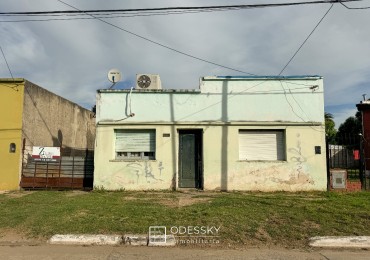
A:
[(353, 185), (350, 185)]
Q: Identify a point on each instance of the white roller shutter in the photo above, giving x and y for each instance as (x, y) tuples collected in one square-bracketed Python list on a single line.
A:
[(135, 141), (262, 145)]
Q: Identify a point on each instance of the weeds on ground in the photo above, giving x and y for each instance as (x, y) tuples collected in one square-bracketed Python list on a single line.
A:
[(285, 219)]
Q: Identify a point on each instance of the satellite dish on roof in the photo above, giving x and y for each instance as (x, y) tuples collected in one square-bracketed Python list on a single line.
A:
[(114, 75)]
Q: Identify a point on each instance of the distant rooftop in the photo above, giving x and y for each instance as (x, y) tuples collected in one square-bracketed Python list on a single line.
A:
[(365, 102)]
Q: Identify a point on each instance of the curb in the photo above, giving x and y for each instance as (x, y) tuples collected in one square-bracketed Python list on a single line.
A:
[(129, 239), (85, 240), (341, 242), (135, 240), (169, 240)]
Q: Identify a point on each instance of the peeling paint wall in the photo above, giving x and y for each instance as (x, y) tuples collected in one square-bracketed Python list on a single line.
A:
[(115, 174), (220, 109), (302, 170)]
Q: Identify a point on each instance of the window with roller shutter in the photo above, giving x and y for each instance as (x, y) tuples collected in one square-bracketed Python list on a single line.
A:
[(135, 144), (262, 145)]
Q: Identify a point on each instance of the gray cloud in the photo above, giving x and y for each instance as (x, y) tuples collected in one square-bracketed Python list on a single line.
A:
[(72, 58)]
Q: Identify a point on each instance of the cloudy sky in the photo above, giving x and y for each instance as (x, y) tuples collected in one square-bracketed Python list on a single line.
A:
[(72, 57)]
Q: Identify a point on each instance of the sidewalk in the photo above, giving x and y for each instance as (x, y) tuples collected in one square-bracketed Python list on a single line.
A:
[(47, 251), (12, 239), (360, 242), (350, 242)]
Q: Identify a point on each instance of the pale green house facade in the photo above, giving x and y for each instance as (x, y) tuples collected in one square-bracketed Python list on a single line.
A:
[(233, 133)]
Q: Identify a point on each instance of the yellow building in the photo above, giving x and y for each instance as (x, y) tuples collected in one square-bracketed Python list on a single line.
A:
[(33, 116), (11, 107)]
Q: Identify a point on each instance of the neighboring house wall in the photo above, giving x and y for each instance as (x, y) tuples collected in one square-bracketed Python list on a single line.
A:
[(11, 96), (223, 110), (41, 118), (50, 120), (366, 121)]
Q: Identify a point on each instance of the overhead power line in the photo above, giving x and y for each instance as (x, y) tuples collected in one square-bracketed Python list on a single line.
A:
[(129, 13), (11, 74), (79, 16), (184, 8), (201, 59), (354, 8), (160, 44), (290, 60), (300, 47)]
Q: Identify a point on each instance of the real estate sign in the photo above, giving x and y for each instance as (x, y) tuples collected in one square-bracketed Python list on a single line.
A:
[(46, 154)]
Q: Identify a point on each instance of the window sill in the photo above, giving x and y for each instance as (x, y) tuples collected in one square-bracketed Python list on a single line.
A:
[(133, 160), (261, 161)]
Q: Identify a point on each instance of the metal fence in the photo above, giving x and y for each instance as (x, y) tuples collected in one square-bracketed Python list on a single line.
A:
[(73, 170), (347, 153)]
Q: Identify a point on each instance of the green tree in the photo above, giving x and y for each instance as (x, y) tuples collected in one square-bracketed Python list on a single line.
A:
[(349, 130), (330, 130)]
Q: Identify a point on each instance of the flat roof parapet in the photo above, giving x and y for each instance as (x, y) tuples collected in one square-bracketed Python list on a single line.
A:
[(255, 77), (196, 91), (10, 80)]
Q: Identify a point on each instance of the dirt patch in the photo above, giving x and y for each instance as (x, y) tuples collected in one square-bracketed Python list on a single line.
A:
[(13, 237), (183, 201), (180, 199), (17, 194), (81, 213), (262, 234), (75, 193), (310, 225)]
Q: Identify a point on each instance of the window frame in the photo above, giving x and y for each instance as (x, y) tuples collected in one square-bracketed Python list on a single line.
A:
[(281, 152), (136, 155)]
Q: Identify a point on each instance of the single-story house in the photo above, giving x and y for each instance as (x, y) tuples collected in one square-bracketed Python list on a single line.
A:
[(254, 133)]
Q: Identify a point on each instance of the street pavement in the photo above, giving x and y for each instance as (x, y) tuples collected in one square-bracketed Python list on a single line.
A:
[(47, 251)]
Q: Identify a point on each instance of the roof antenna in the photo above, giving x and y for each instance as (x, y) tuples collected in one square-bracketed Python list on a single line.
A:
[(114, 76)]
